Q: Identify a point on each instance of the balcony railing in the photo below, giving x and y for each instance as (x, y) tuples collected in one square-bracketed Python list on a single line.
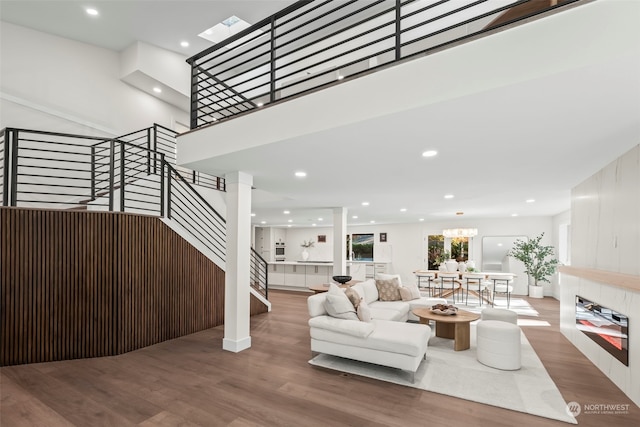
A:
[(314, 44)]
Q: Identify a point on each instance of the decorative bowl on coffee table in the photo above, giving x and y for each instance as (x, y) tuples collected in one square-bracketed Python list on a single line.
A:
[(341, 279)]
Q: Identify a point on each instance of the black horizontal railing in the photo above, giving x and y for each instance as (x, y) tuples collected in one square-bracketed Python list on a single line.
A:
[(125, 174), (259, 269), (313, 44)]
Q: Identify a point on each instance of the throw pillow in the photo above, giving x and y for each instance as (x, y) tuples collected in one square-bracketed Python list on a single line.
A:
[(384, 276), (353, 296), (364, 312), (409, 292), (388, 290), (338, 305)]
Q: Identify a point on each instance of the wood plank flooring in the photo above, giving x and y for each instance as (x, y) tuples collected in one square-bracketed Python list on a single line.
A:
[(191, 381)]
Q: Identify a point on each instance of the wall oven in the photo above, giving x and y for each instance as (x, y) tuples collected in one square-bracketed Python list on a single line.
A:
[(280, 256)]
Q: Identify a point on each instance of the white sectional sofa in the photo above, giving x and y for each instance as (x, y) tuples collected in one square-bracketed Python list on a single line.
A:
[(387, 339)]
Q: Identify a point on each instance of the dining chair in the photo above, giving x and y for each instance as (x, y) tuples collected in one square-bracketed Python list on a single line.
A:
[(475, 283), (426, 280), (451, 279), (501, 284)]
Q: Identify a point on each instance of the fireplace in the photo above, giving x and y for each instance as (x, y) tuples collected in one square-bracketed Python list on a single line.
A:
[(606, 327)]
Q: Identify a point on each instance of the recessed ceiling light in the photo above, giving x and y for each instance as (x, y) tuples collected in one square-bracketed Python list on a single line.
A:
[(263, 222), (157, 90), (252, 214), (184, 44), (290, 220), (403, 210), (530, 200), (91, 11), (514, 214), (286, 212), (499, 244), (301, 174), (429, 153), (289, 225), (320, 219), (355, 217), (421, 219), (365, 203), (313, 225), (372, 222), (448, 196)]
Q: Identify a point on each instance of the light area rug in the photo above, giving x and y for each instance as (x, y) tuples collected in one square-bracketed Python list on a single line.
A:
[(459, 374)]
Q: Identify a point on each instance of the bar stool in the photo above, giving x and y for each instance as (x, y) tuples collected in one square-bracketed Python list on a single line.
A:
[(475, 282), (449, 278), (430, 279), (501, 284)]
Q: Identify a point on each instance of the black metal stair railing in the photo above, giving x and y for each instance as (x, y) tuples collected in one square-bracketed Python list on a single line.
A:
[(65, 171), (259, 273), (313, 44)]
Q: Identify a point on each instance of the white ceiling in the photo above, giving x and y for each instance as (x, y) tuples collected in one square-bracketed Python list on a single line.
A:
[(163, 23), (534, 140)]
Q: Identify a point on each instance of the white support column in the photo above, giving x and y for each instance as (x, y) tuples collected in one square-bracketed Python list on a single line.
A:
[(339, 243), (237, 278)]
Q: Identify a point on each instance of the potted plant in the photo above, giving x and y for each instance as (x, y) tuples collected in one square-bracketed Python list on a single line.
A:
[(538, 262)]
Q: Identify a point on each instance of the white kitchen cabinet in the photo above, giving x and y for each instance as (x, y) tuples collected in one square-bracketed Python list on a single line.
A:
[(317, 274), (276, 275), (295, 276)]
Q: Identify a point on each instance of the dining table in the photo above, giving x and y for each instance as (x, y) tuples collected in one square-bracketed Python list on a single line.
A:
[(459, 280)]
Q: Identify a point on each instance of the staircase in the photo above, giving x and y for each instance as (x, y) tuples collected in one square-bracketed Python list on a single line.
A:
[(134, 173)]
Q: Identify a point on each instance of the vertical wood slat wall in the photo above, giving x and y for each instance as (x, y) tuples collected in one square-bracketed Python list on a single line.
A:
[(85, 284)]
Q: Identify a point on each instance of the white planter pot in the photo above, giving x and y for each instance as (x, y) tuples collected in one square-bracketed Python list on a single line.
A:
[(536, 291)]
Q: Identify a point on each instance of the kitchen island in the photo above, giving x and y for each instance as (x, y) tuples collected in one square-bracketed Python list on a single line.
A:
[(299, 275)]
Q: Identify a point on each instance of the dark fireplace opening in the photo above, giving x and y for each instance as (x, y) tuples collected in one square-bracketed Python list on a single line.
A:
[(606, 327)]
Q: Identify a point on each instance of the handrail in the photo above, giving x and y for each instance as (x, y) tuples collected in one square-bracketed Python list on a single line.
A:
[(311, 45), (259, 273), (67, 171)]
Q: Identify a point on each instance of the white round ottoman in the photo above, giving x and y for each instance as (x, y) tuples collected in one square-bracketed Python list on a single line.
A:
[(498, 344), (499, 314)]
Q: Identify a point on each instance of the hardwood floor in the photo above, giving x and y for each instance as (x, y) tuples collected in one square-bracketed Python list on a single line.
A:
[(191, 381)]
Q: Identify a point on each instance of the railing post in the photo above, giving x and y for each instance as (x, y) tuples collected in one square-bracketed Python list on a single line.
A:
[(93, 172), (14, 168), (161, 185), (122, 176), (6, 170), (169, 192), (194, 96), (272, 61), (112, 159), (193, 176), (149, 152), (398, 29)]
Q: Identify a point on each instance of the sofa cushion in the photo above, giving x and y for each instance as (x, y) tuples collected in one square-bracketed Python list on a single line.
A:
[(388, 290), (315, 304), (353, 296), (370, 290), (390, 310), (363, 311), (338, 305), (409, 292), (393, 337), (351, 328)]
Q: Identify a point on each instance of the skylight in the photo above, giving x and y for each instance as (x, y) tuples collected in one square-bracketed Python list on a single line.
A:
[(224, 29)]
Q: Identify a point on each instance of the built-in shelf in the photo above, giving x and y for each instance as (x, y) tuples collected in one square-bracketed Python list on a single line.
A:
[(620, 280)]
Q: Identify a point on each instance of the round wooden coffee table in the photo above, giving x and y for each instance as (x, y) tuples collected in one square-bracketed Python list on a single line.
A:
[(456, 327), (324, 287)]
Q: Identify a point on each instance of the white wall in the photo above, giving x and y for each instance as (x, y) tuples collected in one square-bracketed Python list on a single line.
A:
[(605, 222), (52, 83), (407, 241)]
